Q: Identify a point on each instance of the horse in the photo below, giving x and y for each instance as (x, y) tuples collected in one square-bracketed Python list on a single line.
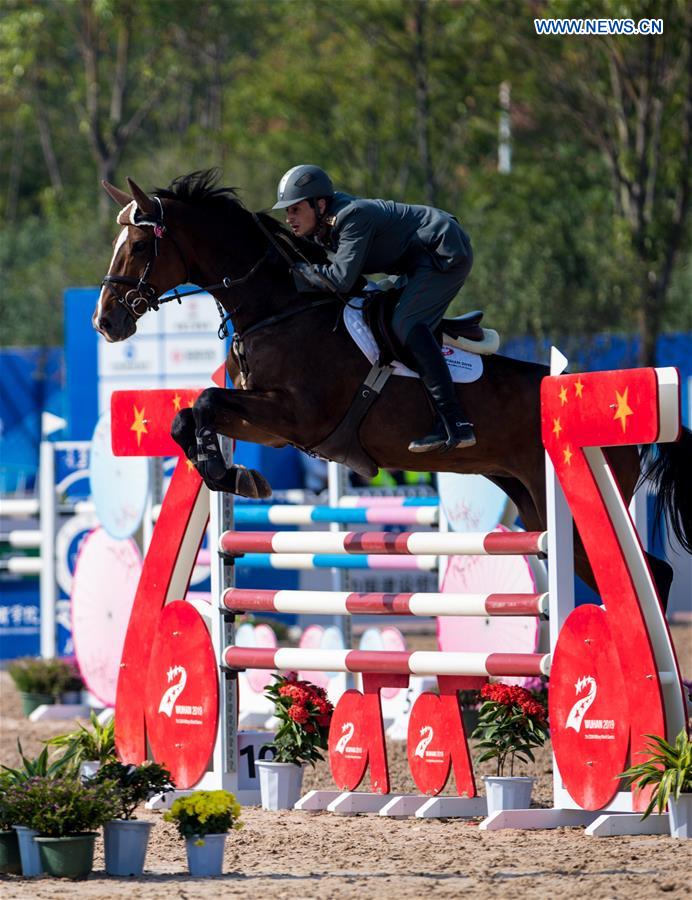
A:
[(299, 370)]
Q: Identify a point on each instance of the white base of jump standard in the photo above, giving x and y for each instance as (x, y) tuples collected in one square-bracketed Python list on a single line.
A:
[(351, 803), (597, 824)]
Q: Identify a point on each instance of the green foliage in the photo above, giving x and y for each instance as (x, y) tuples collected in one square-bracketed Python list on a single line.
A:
[(511, 724), (39, 766), (86, 744), (134, 784), (204, 812), (395, 98), (305, 714), (667, 768), (33, 675), (56, 807)]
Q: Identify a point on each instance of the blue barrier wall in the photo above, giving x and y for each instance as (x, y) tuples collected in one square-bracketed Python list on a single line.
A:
[(65, 383), (32, 382)]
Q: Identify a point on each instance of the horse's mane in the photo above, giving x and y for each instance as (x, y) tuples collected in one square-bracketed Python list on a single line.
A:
[(201, 190)]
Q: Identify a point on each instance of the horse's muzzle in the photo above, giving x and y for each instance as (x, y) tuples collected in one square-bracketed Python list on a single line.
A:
[(114, 324)]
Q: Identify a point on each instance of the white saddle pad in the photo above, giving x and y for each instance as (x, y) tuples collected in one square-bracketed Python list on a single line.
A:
[(465, 367)]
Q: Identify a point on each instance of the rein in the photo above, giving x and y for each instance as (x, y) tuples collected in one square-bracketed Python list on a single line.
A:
[(142, 296)]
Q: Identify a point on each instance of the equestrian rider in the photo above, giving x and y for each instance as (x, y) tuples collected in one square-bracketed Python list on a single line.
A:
[(366, 236)]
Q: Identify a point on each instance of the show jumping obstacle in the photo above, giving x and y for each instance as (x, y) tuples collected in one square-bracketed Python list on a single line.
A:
[(614, 676)]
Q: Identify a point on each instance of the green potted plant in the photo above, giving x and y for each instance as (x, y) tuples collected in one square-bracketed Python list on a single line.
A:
[(10, 861), (40, 681), (203, 819), (65, 813), (511, 723), (88, 747), (126, 837), (668, 770), (304, 713), (41, 767)]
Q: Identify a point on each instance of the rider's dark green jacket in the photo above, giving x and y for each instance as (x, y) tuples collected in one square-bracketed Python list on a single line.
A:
[(372, 236)]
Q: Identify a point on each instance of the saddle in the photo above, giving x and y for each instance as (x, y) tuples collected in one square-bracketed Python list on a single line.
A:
[(343, 444), (463, 331)]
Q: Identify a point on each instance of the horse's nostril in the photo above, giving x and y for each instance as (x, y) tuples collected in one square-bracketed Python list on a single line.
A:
[(104, 321)]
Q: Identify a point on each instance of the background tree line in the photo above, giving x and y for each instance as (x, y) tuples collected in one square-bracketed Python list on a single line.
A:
[(588, 230)]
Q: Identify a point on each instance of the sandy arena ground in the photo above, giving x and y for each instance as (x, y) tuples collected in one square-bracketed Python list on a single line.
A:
[(298, 855)]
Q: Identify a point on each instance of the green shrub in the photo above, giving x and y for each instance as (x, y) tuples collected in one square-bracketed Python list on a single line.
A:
[(134, 784), (34, 675), (57, 807)]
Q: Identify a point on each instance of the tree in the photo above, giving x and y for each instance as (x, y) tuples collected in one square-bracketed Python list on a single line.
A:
[(636, 109)]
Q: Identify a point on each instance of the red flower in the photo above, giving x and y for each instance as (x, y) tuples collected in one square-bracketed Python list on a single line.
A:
[(323, 721), (298, 694), (299, 714), (513, 695)]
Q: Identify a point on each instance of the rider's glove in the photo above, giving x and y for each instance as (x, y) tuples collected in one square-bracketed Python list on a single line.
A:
[(309, 275)]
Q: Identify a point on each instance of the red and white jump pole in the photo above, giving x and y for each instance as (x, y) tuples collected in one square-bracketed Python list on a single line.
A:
[(418, 662), (343, 603), (236, 543)]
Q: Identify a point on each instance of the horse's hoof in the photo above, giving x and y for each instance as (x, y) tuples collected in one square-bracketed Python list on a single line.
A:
[(250, 483), (264, 489)]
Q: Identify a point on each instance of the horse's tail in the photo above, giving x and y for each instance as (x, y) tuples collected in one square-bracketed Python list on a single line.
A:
[(670, 469)]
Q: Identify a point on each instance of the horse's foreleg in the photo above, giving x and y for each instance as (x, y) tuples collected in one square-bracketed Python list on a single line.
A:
[(249, 416), (234, 479)]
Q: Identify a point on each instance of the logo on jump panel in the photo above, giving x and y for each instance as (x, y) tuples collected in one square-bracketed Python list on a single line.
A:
[(578, 711), (348, 730), (174, 691), (427, 735)]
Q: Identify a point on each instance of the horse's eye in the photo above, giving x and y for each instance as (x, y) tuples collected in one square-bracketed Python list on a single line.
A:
[(138, 246)]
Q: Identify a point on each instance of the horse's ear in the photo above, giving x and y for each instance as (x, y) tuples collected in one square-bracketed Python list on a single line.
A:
[(120, 197), (144, 202)]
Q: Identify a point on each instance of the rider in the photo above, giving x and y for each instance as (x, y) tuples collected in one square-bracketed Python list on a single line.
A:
[(367, 236)]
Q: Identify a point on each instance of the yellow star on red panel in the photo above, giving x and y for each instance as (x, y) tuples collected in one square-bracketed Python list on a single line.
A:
[(563, 395), (190, 465), (557, 428), (623, 410), (567, 453), (579, 387), (139, 424), (176, 403)]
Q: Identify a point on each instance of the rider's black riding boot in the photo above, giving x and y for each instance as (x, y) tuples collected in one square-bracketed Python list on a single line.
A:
[(452, 429)]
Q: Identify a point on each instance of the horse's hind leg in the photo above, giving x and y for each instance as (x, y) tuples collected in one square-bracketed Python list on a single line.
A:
[(234, 479)]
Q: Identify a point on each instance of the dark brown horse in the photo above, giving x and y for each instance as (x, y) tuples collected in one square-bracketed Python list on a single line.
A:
[(303, 368)]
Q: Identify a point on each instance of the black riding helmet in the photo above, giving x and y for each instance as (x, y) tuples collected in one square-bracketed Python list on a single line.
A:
[(303, 183)]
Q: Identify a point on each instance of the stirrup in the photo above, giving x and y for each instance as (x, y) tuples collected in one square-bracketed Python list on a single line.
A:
[(459, 444)]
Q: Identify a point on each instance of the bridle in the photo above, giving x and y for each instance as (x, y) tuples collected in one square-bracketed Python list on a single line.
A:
[(142, 296)]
